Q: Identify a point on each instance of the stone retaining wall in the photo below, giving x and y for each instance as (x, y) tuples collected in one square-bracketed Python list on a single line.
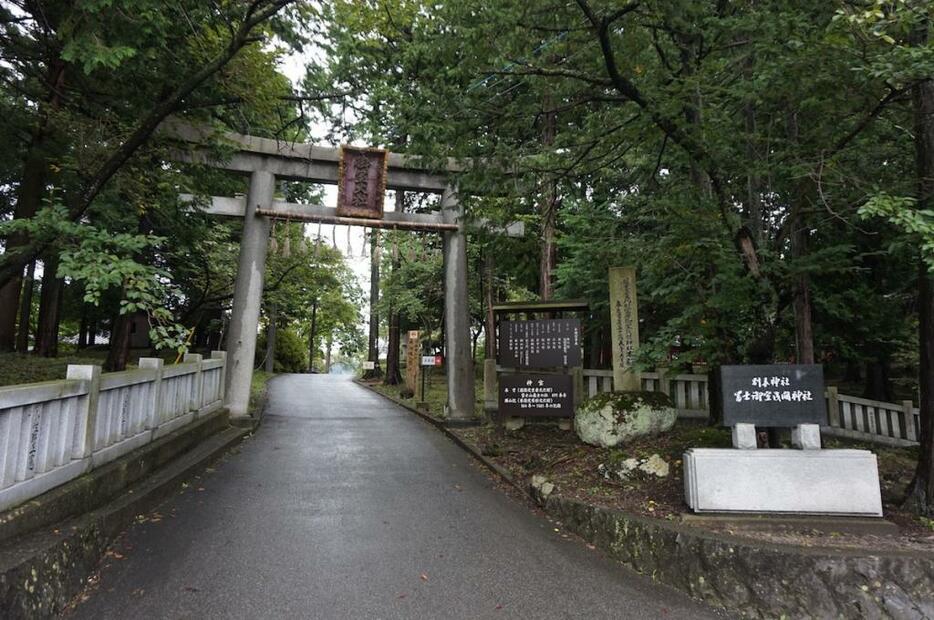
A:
[(758, 580)]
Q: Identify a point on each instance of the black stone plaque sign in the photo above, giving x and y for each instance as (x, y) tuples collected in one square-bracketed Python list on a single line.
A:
[(774, 395), (536, 395), (552, 343)]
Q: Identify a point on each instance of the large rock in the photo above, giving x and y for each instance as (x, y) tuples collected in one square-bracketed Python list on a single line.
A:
[(613, 418)]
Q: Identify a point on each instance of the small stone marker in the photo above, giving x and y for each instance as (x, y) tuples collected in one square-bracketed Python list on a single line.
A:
[(624, 325), (413, 353)]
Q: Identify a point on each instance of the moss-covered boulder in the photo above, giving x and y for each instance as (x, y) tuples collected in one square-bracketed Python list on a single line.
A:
[(614, 418)]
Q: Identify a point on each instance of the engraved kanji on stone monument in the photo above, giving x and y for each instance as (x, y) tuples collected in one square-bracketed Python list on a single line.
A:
[(362, 183), (624, 326), (413, 352)]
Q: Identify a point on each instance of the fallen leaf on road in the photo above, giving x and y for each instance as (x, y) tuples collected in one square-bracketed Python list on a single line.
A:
[(499, 607), (591, 547), (424, 577), (191, 589), (458, 487), (401, 596)]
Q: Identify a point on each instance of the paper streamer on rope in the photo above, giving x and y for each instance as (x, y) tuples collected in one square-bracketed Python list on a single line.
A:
[(349, 246), (273, 243), (334, 236), (287, 242), (363, 249)]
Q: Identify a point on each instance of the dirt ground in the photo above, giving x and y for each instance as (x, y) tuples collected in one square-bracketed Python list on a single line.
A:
[(542, 448)]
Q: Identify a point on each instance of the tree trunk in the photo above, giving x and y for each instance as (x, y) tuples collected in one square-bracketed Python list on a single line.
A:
[(921, 493), (312, 349), (28, 200), (327, 355), (548, 209), (25, 311), (50, 304), (271, 338), (373, 336), (489, 298), (877, 385), (393, 373), (804, 331), (83, 328), (118, 356)]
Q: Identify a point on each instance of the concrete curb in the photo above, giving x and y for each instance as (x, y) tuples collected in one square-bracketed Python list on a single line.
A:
[(761, 580), (42, 571)]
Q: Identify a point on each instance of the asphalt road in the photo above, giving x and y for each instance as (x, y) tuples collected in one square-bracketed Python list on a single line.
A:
[(343, 505)]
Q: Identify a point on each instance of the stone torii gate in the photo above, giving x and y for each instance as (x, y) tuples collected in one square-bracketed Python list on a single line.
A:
[(265, 161)]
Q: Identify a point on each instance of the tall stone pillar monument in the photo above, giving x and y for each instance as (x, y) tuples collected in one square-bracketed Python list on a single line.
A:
[(624, 326)]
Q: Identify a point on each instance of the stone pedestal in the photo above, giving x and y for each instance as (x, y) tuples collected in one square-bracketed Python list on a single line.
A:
[(833, 482), (744, 436), (806, 437)]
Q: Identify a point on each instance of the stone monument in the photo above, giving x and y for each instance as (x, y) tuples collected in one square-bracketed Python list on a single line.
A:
[(413, 358), (803, 480), (624, 326)]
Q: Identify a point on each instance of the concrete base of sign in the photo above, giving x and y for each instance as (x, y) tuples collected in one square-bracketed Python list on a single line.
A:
[(513, 424), (744, 436), (565, 424), (834, 482), (806, 437)]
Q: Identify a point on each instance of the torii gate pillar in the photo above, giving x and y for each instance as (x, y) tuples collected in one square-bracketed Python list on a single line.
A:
[(460, 376), (248, 294)]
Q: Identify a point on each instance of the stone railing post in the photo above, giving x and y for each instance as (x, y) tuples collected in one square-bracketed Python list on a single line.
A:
[(577, 384), (155, 413), (910, 431), (221, 355), (833, 407), (664, 382), (86, 421), (197, 390)]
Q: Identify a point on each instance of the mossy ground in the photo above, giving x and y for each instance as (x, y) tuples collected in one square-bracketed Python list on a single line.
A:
[(627, 401)]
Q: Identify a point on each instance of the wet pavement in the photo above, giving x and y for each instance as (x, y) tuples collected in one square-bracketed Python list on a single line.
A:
[(343, 505)]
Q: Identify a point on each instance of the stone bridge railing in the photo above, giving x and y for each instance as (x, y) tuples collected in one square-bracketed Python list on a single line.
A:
[(55, 431), (891, 424)]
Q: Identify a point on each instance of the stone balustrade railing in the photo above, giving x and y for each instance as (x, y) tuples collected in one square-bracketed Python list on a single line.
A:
[(55, 431), (848, 416)]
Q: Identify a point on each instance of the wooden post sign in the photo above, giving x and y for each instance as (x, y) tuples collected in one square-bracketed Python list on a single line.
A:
[(361, 182), (413, 355), (624, 326)]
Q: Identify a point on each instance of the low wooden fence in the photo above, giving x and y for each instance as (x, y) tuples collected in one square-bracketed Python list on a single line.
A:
[(55, 431), (848, 416)]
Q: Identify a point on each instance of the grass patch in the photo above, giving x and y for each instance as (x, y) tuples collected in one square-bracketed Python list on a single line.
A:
[(436, 393), (16, 368), (258, 386)]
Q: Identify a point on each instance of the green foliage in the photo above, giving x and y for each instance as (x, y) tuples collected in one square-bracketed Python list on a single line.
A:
[(902, 212), (291, 351)]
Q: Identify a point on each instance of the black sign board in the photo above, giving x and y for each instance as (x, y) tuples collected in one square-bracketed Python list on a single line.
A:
[(552, 343), (536, 395), (773, 395)]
